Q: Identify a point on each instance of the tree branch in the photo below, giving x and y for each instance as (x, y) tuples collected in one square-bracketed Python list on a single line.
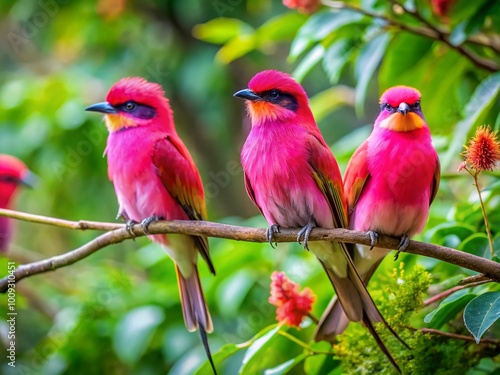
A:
[(80, 225), (209, 229), (450, 291), (455, 336), (428, 31)]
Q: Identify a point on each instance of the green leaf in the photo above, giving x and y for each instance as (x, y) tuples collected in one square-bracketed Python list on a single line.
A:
[(134, 331), (336, 57), (320, 364), (236, 48), (368, 60), (233, 291), (325, 102), (225, 352), (404, 54), (483, 97), (285, 367), (308, 62), (258, 347), (476, 244), (221, 30), (450, 234), (281, 28), (481, 313), (449, 308), (318, 27)]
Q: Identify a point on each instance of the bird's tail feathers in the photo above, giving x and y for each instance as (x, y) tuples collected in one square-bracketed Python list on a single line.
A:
[(194, 308), (334, 321), (357, 303)]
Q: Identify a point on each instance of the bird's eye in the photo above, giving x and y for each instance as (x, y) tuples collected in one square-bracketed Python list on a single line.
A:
[(273, 94), (416, 105), (387, 107), (129, 106)]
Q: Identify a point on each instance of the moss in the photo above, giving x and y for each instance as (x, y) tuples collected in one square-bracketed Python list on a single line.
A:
[(429, 354)]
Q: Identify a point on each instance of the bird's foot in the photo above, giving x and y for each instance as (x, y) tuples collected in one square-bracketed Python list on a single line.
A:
[(373, 238), (129, 226), (147, 222), (403, 245), (305, 232), (270, 232)]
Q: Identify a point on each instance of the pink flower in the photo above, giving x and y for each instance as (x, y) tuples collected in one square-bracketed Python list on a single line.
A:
[(303, 6), (291, 303)]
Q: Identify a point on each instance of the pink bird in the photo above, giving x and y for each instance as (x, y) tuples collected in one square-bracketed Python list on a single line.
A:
[(13, 173), (293, 178), (155, 178), (390, 182)]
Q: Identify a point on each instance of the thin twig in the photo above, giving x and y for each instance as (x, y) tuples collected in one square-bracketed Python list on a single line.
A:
[(313, 318), (474, 279), (428, 31), (485, 217), (450, 291), (79, 225), (302, 343), (437, 332), (210, 229)]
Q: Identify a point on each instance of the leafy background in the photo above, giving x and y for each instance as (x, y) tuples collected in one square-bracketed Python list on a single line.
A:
[(118, 311)]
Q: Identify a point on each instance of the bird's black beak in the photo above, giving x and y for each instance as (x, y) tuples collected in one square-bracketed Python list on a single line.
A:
[(247, 94), (29, 179), (103, 107), (403, 108)]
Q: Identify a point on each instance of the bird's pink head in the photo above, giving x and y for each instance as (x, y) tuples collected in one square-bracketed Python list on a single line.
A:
[(274, 95), (133, 101), (400, 110), (13, 173)]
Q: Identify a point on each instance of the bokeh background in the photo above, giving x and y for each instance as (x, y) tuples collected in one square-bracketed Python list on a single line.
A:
[(118, 312)]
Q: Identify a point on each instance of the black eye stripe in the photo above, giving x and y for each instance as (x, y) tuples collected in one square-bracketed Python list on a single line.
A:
[(280, 98), (9, 179), (138, 110)]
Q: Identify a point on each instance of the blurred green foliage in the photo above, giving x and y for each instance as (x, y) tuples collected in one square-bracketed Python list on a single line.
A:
[(118, 311)]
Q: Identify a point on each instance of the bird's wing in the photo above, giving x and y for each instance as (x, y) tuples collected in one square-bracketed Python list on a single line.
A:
[(327, 175), (178, 173), (435, 180), (356, 175), (251, 193)]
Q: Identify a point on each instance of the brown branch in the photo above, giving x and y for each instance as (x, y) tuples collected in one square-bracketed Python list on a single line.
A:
[(428, 31), (80, 225), (437, 332), (450, 291), (210, 229), (474, 279)]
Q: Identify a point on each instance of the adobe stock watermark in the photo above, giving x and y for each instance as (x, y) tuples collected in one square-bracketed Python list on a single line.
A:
[(11, 315), (253, 323), (218, 181), (28, 29), (91, 138), (72, 325)]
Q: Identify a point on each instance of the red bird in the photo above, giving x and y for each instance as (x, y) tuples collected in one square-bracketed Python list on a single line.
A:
[(13, 173), (155, 178), (293, 178), (390, 182)]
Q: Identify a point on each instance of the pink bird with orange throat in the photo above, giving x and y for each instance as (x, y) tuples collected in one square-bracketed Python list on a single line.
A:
[(390, 182), (155, 178), (293, 178)]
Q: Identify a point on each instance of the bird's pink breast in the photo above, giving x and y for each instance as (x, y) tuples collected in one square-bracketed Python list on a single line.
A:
[(139, 190), (396, 197), (275, 160)]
